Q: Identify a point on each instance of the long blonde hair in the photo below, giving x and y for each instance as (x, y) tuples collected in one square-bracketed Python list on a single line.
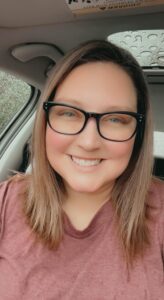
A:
[(43, 206)]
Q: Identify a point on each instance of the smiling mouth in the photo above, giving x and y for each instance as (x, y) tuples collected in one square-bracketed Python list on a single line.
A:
[(86, 162)]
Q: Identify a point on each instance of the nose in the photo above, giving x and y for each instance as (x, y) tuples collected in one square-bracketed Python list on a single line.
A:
[(89, 139)]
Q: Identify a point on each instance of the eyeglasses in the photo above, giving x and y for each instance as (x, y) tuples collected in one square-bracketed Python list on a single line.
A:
[(117, 126)]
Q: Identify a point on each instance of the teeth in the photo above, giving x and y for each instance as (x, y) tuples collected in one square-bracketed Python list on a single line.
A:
[(86, 162)]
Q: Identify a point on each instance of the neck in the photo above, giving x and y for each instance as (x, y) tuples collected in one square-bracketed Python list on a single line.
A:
[(81, 207)]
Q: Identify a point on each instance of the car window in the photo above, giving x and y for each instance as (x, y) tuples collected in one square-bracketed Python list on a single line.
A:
[(14, 95)]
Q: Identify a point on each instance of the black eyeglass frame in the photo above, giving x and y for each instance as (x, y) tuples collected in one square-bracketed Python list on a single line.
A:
[(97, 116)]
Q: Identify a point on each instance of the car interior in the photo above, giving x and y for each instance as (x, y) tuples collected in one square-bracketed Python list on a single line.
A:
[(34, 35)]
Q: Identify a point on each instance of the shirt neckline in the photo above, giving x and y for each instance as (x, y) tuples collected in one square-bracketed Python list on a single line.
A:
[(102, 216)]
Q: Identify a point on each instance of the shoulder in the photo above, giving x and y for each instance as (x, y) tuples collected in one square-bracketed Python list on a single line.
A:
[(156, 194), (10, 191), (12, 186), (14, 228), (155, 205), (155, 197)]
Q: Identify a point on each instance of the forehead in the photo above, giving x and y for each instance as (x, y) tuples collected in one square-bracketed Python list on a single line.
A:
[(98, 85)]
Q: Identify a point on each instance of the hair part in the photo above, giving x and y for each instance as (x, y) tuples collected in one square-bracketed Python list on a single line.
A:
[(43, 203)]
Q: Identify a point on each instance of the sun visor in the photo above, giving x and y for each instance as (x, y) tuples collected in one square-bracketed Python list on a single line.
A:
[(30, 51)]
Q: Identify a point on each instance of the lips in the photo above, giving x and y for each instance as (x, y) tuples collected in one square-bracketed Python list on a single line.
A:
[(86, 162)]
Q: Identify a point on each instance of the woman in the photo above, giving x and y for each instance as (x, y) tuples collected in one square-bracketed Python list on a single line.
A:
[(88, 222)]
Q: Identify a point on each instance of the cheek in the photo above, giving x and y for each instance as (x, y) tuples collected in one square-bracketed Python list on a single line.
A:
[(122, 150), (119, 156), (55, 142)]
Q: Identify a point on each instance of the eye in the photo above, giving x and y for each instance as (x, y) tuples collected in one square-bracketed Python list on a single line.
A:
[(115, 120), (67, 113), (118, 119)]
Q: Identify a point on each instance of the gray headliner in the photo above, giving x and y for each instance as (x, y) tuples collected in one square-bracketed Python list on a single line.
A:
[(52, 22), (18, 13), (65, 36)]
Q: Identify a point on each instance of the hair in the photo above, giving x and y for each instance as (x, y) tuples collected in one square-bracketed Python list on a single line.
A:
[(43, 201)]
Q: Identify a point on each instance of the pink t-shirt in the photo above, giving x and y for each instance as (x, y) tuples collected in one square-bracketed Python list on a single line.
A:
[(89, 264)]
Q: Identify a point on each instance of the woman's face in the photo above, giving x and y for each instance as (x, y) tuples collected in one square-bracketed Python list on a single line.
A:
[(87, 162)]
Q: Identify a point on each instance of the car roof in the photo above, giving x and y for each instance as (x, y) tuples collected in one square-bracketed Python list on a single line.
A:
[(53, 22)]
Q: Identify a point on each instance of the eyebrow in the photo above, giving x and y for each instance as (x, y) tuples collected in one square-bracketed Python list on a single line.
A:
[(79, 105)]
